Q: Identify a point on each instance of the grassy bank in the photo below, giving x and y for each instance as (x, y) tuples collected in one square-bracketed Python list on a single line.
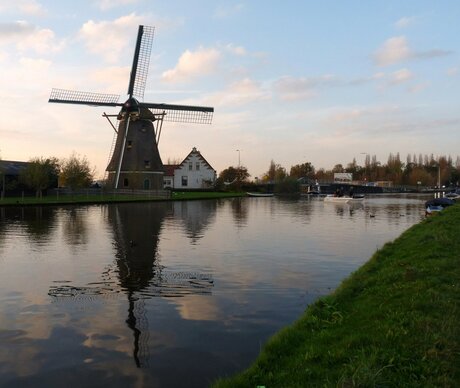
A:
[(394, 323), (90, 199)]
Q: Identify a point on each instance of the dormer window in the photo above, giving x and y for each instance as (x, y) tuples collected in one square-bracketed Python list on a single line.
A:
[(147, 163), (130, 144)]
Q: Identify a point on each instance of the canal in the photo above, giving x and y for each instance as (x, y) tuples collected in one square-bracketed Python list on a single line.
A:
[(171, 294)]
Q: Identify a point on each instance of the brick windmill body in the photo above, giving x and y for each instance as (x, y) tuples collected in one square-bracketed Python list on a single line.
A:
[(135, 161)]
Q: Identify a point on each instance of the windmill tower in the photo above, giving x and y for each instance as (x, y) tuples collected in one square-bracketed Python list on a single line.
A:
[(135, 162)]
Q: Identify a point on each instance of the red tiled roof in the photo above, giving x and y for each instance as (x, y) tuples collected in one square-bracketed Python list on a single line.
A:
[(169, 169)]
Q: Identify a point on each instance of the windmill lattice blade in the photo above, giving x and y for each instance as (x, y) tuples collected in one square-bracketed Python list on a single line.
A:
[(64, 96), (182, 113), (141, 62)]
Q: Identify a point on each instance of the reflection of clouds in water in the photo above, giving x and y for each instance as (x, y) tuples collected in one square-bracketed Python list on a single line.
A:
[(151, 262), (108, 367), (17, 346), (198, 308)]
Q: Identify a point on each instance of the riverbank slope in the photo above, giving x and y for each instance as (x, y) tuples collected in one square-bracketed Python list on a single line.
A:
[(394, 322)]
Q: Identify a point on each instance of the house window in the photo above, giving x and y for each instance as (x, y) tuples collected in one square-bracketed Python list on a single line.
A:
[(146, 184), (125, 182), (130, 144), (147, 163), (198, 166), (185, 181), (190, 166)]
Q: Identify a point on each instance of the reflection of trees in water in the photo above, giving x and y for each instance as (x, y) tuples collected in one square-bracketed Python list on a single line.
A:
[(240, 210), (75, 227), (136, 270), (37, 221), (301, 208), (196, 216)]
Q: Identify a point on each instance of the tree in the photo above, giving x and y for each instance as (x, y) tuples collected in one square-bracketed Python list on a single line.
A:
[(233, 174), (304, 170), (275, 173), (288, 185), (41, 174), (338, 168), (76, 172), (174, 161)]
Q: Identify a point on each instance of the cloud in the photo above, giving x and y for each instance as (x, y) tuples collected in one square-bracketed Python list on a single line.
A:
[(400, 76), (41, 41), (405, 22), (236, 50), (367, 79), (112, 79), (292, 88), (418, 87), (193, 64), (26, 36), (240, 92), (29, 7), (14, 30), (110, 39), (396, 49), (393, 50)]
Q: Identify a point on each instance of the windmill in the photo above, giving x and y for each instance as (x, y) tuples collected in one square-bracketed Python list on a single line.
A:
[(134, 160)]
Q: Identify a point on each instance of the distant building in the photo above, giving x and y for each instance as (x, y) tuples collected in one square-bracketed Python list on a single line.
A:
[(10, 170), (193, 173), (383, 183), (343, 177), (168, 176)]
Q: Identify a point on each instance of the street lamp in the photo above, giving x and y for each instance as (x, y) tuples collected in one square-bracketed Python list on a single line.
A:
[(365, 167), (238, 158)]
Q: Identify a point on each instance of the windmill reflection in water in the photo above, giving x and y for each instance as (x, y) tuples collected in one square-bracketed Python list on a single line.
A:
[(136, 271)]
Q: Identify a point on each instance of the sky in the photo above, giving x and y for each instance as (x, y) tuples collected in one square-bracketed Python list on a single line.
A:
[(292, 81)]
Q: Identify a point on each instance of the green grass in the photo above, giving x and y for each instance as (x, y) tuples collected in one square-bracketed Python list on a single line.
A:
[(395, 322), (95, 198)]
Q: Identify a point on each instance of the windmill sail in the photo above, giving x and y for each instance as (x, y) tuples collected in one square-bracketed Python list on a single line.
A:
[(136, 161), (141, 62), (64, 96), (182, 113)]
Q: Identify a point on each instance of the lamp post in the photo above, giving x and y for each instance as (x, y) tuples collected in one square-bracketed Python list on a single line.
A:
[(238, 174), (365, 168), (238, 158)]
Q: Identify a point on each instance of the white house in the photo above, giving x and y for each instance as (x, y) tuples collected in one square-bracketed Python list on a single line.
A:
[(193, 173)]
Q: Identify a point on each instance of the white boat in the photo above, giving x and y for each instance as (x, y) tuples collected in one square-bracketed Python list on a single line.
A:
[(260, 194), (453, 195), (344, 199)]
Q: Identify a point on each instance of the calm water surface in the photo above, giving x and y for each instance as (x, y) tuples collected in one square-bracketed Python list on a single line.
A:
[(171, 294)]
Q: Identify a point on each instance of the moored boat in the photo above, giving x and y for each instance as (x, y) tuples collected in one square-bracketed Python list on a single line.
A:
[(260, 194), (343, 199), (437, 205)]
